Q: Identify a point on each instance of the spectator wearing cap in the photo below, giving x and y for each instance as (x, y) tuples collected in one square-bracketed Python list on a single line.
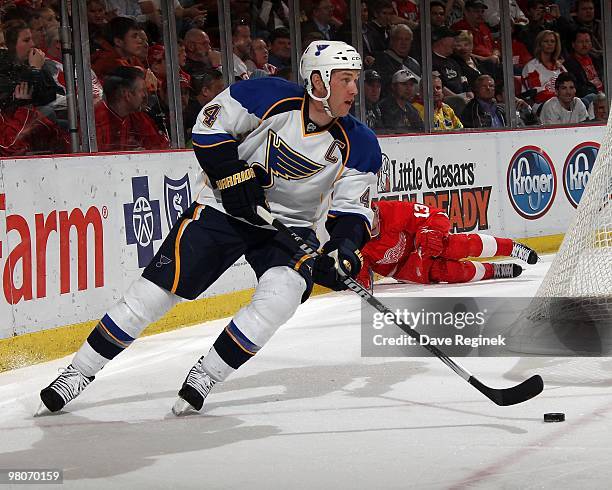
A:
[(205, 86), (453, 79), (371, 91), (586, 68), (121, 47), (396, 57), (565, 108), (483, 111), (398, 114), (121, 123), (485, 48), (444, 118)]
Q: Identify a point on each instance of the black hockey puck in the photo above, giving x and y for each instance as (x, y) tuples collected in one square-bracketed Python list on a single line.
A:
[(554, 417)]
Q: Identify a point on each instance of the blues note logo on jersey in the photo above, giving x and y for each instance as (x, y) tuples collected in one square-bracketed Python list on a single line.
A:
[(282, 161)]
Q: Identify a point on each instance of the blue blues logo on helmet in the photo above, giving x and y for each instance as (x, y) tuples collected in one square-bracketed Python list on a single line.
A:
[(320, 48), (531, 182), (577, 170)]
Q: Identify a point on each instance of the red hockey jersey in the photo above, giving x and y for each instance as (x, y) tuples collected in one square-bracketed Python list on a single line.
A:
[(398, 223)]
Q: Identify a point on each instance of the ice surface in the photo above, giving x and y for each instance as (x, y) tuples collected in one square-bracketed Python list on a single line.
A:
[(308, 412)]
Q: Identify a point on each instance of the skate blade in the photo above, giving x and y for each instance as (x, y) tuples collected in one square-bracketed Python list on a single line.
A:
[(42, 410), (181, 407)]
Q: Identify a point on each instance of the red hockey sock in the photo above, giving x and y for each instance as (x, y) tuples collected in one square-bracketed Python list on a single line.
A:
[(455, 271), (463, 245), (504, 246)]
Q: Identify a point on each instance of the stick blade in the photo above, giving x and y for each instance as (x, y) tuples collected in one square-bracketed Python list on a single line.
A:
[(511, 396)]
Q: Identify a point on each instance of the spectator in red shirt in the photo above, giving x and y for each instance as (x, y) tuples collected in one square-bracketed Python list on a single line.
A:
[(120, 122), (485, 48), (23, 128), (520, 53), (406, 12), (122, 47)]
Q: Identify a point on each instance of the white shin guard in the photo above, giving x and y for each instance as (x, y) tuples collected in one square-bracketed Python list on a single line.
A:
[(143, 303), (276, 298)]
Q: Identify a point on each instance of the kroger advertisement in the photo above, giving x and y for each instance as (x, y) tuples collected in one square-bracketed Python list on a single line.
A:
[(76, 231), (518, 183)]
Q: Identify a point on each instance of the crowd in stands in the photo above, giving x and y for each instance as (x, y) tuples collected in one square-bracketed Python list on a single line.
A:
[(556, 56), (557, 59)]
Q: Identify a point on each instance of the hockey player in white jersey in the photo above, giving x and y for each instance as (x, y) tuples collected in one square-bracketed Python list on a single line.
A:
[(265, 142)]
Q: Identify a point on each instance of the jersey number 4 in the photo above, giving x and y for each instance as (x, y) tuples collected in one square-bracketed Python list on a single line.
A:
[(210, 114)]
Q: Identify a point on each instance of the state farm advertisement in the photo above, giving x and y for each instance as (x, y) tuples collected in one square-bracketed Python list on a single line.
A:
[(76, 231)]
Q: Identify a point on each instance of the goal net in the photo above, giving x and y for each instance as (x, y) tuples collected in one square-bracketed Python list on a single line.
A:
[(571, 313)]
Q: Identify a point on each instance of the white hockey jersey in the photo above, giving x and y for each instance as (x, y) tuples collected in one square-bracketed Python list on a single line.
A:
[(306, 170)]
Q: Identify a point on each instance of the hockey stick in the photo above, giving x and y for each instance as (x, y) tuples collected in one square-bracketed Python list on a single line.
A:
[(501, 396)]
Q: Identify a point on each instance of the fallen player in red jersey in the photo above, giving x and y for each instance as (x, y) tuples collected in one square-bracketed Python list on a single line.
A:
[(412, 243)]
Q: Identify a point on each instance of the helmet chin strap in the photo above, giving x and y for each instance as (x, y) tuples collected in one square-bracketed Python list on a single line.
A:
[(326, 106)]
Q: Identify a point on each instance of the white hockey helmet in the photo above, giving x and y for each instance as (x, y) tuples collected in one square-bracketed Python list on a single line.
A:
[(324, 57)]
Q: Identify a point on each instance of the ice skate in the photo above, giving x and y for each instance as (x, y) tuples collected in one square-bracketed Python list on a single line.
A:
[(505, 271), (195, 388), (66, 387), (523, 252)]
